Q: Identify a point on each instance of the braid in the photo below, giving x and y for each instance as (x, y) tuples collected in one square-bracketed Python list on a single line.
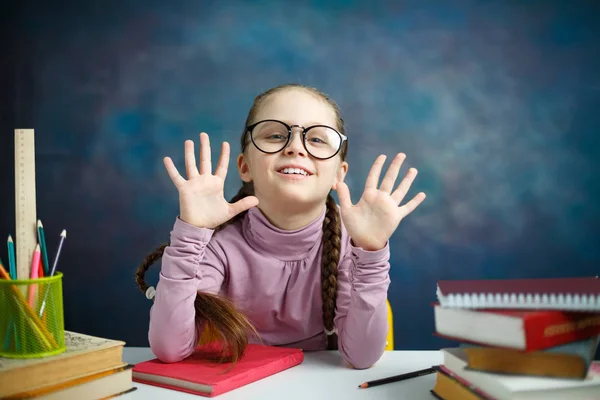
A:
[(150, 259), (329, 267)]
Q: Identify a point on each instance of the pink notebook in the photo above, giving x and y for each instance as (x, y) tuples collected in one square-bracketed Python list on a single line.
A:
[(577, 294), (201, 377)]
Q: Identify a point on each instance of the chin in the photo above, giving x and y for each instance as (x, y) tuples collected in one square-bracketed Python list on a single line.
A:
[(292, 193), (295, 193), (300, 195)]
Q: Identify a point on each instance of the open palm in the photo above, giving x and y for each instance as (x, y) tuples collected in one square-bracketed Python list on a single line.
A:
[(372, 221), (201, 199)]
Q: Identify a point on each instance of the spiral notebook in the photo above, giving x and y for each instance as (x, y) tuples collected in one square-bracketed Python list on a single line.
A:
[(577, 294)]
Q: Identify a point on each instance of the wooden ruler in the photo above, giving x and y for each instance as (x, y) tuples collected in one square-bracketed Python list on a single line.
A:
[(25, 201)]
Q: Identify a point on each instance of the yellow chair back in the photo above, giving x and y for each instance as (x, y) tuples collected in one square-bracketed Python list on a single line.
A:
[(390, 336)]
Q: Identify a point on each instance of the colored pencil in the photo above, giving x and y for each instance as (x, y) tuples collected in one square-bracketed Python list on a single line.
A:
[(63, 235), (12, 331), (8, 335), (42, 243), (12, 263), (35, 265), (43, 288), (41, 269), (398, 378)]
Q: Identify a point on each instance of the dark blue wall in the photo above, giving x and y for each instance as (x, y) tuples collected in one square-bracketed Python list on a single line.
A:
[(496, 103)]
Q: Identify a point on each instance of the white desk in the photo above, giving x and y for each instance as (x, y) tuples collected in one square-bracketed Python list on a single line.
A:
[(322, 375)]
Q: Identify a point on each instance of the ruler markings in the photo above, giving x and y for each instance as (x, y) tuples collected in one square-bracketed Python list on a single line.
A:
[(25, 200)]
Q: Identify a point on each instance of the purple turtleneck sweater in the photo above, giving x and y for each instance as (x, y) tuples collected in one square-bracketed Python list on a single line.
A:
[(274, 276)]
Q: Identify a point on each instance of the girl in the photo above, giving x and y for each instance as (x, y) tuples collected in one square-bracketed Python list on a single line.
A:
[(277, 264)]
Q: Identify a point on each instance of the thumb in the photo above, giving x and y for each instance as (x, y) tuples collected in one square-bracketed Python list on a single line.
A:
[(343, 194), (243, 205)]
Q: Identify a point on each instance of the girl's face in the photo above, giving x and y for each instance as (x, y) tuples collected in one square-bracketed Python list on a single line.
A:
[(271, 184)]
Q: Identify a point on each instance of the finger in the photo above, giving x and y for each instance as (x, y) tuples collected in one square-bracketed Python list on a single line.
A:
[(242, 205), (387, 184), (374, 173), (223, 163), (190, 159), (172, 171), (343, 195), (205, 162), (403, 187), (412, 204)]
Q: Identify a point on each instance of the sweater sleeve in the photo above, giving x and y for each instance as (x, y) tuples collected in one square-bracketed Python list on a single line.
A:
[(361, 310), (188, 265)]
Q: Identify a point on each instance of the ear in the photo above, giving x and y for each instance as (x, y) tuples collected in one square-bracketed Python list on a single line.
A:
[(341, 173), (243, 168)]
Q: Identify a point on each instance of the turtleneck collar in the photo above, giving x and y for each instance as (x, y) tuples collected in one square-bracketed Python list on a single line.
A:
[(282, 244)]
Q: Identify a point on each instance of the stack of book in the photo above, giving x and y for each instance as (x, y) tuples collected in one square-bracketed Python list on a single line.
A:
[(90, 368), (519, 339)]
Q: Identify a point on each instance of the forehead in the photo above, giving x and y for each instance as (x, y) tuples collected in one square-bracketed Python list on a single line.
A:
[(297, 106)]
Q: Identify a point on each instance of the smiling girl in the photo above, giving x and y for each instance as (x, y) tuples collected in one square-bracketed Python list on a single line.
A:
[(280, 263)]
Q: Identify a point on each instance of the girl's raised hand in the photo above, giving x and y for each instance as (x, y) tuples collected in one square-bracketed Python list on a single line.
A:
[(201, 198), (372, 221)]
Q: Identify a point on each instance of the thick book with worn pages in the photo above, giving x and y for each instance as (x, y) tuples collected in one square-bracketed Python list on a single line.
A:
[(85, 355), (500, 386), (526, 330), (103, 385), (571, 360), (580, 293), (448, 385), (199, 376)]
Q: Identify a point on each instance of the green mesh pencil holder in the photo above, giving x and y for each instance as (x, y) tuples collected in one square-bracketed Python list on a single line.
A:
[(32, 317)]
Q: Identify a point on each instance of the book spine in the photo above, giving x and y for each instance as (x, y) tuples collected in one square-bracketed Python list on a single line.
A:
[(553, 329)]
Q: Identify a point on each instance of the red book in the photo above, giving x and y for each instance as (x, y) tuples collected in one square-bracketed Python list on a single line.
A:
[(516, 329), (205, 378), (577, 294)]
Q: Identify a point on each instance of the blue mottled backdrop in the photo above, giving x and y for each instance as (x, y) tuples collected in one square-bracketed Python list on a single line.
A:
[(496, 103)]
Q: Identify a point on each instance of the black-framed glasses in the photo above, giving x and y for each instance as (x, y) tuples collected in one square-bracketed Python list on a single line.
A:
[(271, 136)]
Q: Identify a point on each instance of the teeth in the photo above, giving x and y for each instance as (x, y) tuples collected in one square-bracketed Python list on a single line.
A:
[(294, 171)]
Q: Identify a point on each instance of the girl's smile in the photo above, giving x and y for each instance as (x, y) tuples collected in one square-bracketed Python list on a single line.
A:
[(294, 172)]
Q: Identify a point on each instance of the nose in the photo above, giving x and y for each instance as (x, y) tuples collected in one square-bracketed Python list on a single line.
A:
[(295, 146)]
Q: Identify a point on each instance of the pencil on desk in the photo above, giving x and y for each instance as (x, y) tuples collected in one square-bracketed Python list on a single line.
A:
[(397, 378), (43, 248)]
